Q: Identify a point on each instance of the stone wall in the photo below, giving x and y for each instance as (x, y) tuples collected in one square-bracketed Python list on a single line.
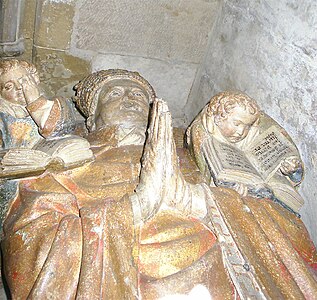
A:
[(59, 69), (268, 49), (17, 28), (164, 40)]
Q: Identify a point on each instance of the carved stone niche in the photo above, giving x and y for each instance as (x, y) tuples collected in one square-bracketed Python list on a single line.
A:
[(11, 41)]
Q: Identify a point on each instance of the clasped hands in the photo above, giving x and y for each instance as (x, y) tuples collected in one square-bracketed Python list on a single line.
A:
[(160, 171)]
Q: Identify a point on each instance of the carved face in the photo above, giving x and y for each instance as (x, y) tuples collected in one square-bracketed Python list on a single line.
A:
[(10, 87), (236, 126), (122, 102)]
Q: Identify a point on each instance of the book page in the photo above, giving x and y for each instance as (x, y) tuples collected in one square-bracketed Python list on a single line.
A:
[(22, 157), (49, 146), (23, 162), (71, 149), (232, 158), (269, 150)]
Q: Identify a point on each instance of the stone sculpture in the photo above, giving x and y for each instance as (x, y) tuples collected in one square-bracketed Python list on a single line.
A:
[(235, 123), (116, 228), (271, 229), (75, 233), (26, 115)]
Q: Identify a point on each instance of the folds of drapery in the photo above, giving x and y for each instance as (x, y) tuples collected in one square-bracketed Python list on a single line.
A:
[(54, 250)]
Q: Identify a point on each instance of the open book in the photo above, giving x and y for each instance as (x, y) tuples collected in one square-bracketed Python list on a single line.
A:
[(55, 154), (257, 166)]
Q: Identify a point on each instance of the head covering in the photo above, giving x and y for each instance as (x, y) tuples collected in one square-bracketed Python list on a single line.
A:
[(87, 90)]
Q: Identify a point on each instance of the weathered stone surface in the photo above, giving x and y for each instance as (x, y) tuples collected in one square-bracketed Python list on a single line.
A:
[(268, 49), (28, 19), (171, 81), (168, 30), (28, 48), (11, 24), (59, 71), (27, 28), (201, 92), (54, 23)]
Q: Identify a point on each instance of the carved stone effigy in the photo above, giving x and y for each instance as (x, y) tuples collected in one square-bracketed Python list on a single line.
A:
[(272, 255), (26, 116), (115, 228), (75, 233)]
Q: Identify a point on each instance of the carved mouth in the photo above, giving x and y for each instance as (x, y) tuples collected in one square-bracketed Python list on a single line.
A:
[(236, 138), (129, 107)]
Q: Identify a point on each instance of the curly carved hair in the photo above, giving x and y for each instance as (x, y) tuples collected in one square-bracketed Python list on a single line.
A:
[(223, 103), (87, 90), (12, 64)]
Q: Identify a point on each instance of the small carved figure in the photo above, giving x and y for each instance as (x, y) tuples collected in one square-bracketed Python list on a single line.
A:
[(25, 114), (238, 147), (233, 132), (26, 118)]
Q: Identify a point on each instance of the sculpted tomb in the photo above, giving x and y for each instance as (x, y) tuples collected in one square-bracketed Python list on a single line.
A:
[(83, 233), (142, 221)]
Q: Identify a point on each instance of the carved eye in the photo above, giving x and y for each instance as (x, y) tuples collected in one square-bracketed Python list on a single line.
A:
[(115, 93), (138, 94), (8, 86)]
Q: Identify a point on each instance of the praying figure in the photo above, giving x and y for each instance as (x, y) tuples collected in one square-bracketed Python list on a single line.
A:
[(140, 221), (109, 228)]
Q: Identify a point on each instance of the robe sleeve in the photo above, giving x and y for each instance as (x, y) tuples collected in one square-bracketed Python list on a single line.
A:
[(53, 117)]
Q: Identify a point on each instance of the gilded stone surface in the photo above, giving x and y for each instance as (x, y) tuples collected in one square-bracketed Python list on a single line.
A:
[(91, 218), (140, 219), (170, 243), (185, 282), (264, 226)]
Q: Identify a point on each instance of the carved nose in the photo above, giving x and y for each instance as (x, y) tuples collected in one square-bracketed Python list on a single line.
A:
[(240, 131), (127, 103), (18, 85)]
